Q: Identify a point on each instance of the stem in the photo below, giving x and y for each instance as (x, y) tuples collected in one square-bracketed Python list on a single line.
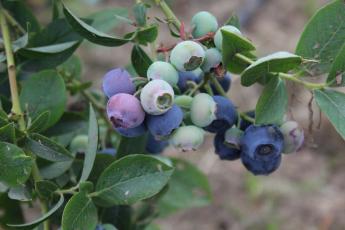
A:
[(169, 13), (153, 50), (11, 68), (218, 86), (13, 21), (246, 117), (244, 58)]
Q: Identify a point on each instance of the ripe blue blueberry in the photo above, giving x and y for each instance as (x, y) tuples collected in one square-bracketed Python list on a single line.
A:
[(132, 132), (125, 111), (195, 76), (108, 151), (218, 37), (261, 148), (155, 146), (99, 227), (164, 71), (187, 138), (224, 81), (202, 23), (187, 56), (163, 125), (225, 115), (79, 144), (203, 110), (157, 97), (117, 81), (212, 59), (244, 124), (224, 151), (293, 136)]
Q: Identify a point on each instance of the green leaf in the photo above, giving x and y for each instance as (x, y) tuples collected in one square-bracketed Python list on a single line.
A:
[(272, 104), (233, 20), (102, 161), (277, 62), (14, 164), (47, 148), (16, 45), (79, 213), (106, 20), (139, 11), (232, 44), (336, 75), (39, 124), (72, 67), (332, 104), (108, 227), (323, 36), (35, 99), (91, 151), (45, 188), (11, 211), (140, 60), (131, 179), (130, 146), (148, 34), (69, 123), (91, 34), (44, 51), (188, 188), (38, 221), (20, 192), (7, 133), (55, 169)]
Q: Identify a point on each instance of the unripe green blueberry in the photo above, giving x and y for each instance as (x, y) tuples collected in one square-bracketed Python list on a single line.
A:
[(187, 56), (212, 59), (79, 144), (157, 97), (164, 71), (293, 136), (202, 23), (203, 110), (187, 138), (218, 37)]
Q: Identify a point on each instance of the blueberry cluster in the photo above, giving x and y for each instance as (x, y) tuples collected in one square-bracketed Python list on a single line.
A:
[(179, 100)]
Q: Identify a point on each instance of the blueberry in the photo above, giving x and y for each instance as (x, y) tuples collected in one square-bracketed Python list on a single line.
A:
[(293, 136), (244, 124), (212, 59), (195, 75), (108, 151), (261, 148), (225, 115), (79, 144), (163, 125), (155, 146), (202, 23), (125, 111), (224, 81), (132, 132), (164, 71), (99, 227), (203, 110), (117, 81), (157, 97), (224, 151), (218, 37), (187, 138), (187, 56)]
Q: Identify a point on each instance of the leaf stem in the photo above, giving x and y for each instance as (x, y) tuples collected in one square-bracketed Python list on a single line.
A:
[(246, 117), (218, 86), (169, 13), (244, 58), (13, 21), (11, 68)]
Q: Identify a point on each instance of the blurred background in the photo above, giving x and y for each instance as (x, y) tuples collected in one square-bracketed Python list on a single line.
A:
[(308, 191)]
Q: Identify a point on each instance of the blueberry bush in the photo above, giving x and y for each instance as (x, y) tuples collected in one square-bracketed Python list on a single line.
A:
[(91, 159)]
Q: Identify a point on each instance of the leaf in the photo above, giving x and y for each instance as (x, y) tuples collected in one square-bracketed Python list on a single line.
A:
[(147, 34), (15, 166), (55, 169), (72, 67), (232, 44), (45, 188), (131, 179), (69, 123), (108, 227), (336, 76), (7, 133), (332, 104), (139, 11), (130, 146), (43, 51), (38, 221), (140, 60), (106, 20), (323, 36), (272, 104), (79, 213), (11, 211), (91, 34), (91, 151), (233, 20), (188, 188), (277, 62), (39, 124), (35, 99), (16, 45), (20, 192), (102, 161), (47, 148)]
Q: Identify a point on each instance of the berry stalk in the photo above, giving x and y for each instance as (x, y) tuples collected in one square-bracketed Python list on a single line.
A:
[(169, 13)]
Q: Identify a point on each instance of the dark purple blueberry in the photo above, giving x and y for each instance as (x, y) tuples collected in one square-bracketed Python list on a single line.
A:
[(163, 125), (117, 81), (225, 152), (132, 132), (125, 111), (261, 148), (155, 146), (108, 151), (226, 115), (184, 77), (225, 82)]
